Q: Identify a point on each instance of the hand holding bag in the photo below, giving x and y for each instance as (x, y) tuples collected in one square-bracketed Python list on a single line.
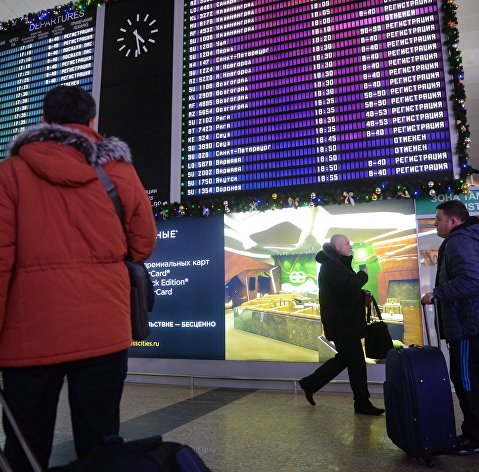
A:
[(142, 295), (378, 341)]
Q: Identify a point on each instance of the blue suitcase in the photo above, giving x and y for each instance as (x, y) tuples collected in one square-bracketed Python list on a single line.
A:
[(418, 400)]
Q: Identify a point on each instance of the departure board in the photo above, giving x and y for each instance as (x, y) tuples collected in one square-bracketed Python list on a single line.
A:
[(52, 51), (309, 93)]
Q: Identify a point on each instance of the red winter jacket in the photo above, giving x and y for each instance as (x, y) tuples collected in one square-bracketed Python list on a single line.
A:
[(64, 289)]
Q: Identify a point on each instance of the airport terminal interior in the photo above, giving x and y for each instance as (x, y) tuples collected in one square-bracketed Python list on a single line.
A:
[(238, 426), (262, 430)]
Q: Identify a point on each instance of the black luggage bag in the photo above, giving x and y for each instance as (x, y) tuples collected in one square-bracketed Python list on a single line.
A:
[(418, 400), (113, 455)]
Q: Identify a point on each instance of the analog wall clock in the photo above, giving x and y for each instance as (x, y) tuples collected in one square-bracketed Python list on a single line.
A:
[(137, 35)]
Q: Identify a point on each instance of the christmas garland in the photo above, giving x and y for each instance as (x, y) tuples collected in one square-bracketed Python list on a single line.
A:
[(277, 199)]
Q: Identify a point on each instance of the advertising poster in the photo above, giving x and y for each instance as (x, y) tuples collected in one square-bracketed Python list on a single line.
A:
[(244, 286), (187, 269), (271, 287)]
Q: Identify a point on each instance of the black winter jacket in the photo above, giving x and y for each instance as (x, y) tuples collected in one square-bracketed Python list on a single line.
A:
[(457, 282), (340, 296)]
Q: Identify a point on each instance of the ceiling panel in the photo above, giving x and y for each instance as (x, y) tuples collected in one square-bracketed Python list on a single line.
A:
[(10, 9)]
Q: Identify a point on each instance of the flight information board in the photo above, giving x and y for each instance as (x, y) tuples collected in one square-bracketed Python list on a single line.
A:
[(53, 51), (299, 92)]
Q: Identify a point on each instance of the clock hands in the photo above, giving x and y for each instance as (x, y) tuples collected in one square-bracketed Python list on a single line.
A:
[(138, 40)]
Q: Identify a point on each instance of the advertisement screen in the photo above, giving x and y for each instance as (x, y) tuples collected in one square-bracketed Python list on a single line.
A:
[(187, 269), (244, 286), (273, 305)]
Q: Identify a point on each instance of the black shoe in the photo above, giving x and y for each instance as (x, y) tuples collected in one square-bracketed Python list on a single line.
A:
[(307, 393), (465, 446), (368, 409)]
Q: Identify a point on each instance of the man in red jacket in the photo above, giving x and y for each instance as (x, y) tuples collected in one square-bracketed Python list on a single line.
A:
[(64, 288)]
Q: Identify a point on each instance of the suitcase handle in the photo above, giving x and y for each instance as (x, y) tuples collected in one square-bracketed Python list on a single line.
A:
[(26, 448), (436, 324)]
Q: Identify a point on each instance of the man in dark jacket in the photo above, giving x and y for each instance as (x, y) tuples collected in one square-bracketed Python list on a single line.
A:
[(457, 294), (343, 318)]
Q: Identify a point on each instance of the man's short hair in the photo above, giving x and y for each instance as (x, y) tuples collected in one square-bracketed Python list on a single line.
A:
[(68, 104), (454, 208)]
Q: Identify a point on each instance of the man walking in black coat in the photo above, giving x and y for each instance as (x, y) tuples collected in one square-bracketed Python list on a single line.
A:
[(342, 314)]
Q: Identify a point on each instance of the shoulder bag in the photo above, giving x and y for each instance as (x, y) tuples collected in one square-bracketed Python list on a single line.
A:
[(378, 341), (142, 294)]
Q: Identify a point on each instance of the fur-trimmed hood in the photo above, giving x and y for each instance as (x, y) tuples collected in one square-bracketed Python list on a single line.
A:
[(96, 152), (61, 154)]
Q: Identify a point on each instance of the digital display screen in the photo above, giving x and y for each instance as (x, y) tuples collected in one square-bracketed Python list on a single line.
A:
[(188, 275), (37, 57), (310, 93)]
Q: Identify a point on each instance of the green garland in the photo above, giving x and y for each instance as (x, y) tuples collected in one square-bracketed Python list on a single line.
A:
[(351, 195), (459, 95)]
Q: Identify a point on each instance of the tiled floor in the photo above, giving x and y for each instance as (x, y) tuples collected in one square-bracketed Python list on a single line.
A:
[(239, 430)]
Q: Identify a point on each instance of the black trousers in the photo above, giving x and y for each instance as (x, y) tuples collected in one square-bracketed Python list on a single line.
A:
[(464, 368), (95, 387), (351, 356)]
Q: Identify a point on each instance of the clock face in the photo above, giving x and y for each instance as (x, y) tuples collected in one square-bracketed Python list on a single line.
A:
[(137, 36)]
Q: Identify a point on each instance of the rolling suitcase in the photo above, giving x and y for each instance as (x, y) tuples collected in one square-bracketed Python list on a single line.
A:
[(418, 400)]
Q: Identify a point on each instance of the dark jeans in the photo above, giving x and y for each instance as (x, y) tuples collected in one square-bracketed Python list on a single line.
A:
[(95, 387), (351, 356), (464, 366)]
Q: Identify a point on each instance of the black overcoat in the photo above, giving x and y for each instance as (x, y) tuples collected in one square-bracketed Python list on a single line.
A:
[(341, 297)]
